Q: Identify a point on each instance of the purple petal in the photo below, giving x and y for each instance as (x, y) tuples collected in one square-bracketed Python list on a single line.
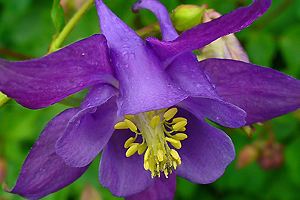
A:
[(41, 82), (123, 176), (90, 129), (162, 189), (168, 31), (221, 112), (262, 92), (206, 33), (144, 85), (186, 72), (205, 153), (43, 171), (227, 47)]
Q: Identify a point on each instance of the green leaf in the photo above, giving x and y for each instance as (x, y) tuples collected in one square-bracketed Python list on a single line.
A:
[(57, 15), (297, 7), (290, 47), (243, 180), (280, 124), (187, 189), (280, 187), (293, 161), (261, 47)]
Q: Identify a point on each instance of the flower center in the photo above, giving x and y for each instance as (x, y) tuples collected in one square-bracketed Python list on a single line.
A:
[(160, 133)]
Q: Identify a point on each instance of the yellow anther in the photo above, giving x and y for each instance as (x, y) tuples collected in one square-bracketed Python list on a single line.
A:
[(179, 161), (121, 125), (146, 165), (130, 117), (179, 125), (182, 129), (160, 134), (131, 125), (160, 155), (178, 119), (175, 143), (175, 165), (132, 150), (155, 121), (174, 154), (170, 113), (166, 173), (157, 167), (146, 156), (142, 148), (128, 142), (180, 136)]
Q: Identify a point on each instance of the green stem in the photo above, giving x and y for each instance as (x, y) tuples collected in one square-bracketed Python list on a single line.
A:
[(69, 27)]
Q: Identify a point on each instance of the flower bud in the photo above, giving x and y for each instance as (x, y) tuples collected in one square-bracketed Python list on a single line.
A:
[(90, 193), (227, 47), (3, 99), (247, 155), (272, 156), (249, 130), (185, 17)]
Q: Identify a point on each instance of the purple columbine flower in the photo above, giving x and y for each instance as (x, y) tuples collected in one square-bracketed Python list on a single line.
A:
[(146, 106)]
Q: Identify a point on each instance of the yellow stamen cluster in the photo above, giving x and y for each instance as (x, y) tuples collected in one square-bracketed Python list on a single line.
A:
[(160, 133)]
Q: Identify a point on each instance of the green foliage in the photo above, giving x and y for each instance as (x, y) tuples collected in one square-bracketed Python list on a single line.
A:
[(293, 161), (57, 15), (290, 47), (255, 41), (26, 27)]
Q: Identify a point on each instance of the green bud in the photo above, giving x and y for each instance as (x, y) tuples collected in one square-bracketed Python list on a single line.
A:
[(185, 17), (3, 98)]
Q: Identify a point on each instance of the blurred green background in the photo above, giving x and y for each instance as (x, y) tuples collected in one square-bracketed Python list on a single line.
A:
[(26, 30)]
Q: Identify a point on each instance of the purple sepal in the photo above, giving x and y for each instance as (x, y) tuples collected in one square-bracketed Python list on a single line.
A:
[(44, 81), (43, 171)]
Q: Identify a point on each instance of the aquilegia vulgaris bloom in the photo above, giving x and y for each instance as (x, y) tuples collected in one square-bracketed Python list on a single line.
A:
[(146, 107)]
